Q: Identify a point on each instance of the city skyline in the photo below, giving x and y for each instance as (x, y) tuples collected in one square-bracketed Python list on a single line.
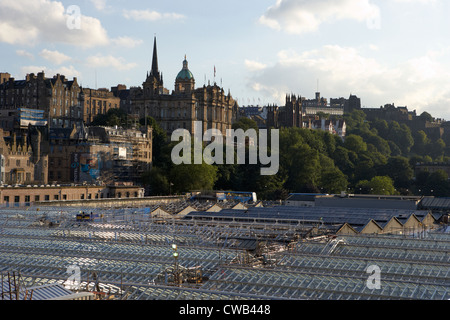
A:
[(382, 51)]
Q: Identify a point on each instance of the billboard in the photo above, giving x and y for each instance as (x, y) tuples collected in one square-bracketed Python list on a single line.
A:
[(34, 117), (85, 167)]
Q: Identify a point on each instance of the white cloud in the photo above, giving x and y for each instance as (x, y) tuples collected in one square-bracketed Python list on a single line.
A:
[(99, 4), (69, 72), (303, 16), (419, 83), (126, 42), (24, 53), (99, 61), (29, 22), (254, 65), (54, 56), (149, 15)]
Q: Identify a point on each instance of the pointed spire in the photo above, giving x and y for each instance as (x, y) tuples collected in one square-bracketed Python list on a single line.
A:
[(155, 72)]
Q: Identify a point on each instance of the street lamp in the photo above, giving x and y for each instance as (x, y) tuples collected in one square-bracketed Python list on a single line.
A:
[(175, 255)]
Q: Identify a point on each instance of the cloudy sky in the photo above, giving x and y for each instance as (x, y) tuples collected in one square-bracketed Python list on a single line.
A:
[(384, 51)]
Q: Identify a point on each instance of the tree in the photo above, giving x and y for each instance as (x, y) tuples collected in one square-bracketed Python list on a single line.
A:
[(245, 124), (400, 170), (382, 127), (379, 143), (355, 143), (355, 120), (333, 181), (437, 184), (421, 142), (364, 168), (157, 180), (190, 177), (401, 136), (159, 140), (437, 149), (343, 160), (379, 185), (114, 117)]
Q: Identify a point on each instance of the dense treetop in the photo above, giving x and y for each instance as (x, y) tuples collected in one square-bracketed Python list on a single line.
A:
[(376, 157)]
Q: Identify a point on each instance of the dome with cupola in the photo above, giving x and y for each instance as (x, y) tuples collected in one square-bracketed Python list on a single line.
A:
[(185, 73)]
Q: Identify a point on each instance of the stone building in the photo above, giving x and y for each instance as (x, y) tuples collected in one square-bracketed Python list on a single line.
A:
[(312, 107), (95, 102), (348, 105), (181, 107), (63, 101), (15, 196), (335, 127), (287, 116), (24, 158), (98, 154), (58, 97)]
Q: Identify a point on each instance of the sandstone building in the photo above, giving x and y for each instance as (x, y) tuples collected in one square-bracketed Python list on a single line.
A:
[(181, 107), (64, 102)]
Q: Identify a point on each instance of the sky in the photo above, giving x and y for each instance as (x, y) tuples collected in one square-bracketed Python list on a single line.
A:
[(383, 51)]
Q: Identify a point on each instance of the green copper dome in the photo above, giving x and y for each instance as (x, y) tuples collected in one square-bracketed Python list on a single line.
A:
[(185, 74)]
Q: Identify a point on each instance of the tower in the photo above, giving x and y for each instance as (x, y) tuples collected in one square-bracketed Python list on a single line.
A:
[(153, 85), (155, 71), (185, 82)]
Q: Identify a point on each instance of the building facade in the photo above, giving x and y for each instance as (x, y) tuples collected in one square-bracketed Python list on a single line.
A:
[(24, 158), (313, 107), (182, 107), (19, 196), (58, 97), (335, 127), (96, 102), (63, 101), (288, 116), (99, 154)]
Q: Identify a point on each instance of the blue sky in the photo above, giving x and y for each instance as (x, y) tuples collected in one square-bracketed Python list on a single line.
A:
[(384, 51)]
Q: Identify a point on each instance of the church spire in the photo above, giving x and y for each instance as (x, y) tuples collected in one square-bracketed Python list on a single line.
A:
[(155, 72)]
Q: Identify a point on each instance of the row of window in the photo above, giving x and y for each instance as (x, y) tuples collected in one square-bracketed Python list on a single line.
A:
[(27, 199)]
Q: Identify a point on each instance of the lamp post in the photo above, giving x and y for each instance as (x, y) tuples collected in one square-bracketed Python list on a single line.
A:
[(175, 272)]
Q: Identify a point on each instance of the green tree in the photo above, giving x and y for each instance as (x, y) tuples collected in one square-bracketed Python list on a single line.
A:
[(379, 185), (355, 120), (401, 136), (344, 159), (157, 181), (355, 143), (245, 124), (421, 143), (364, 168), (333, 181), (437, 149), (437, 184), (298, 161), (190, 177), (400, 170), (159, 141), (382, 127), (114, 117)]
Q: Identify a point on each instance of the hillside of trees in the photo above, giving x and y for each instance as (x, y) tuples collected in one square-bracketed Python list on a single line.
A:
[(377, 157)]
